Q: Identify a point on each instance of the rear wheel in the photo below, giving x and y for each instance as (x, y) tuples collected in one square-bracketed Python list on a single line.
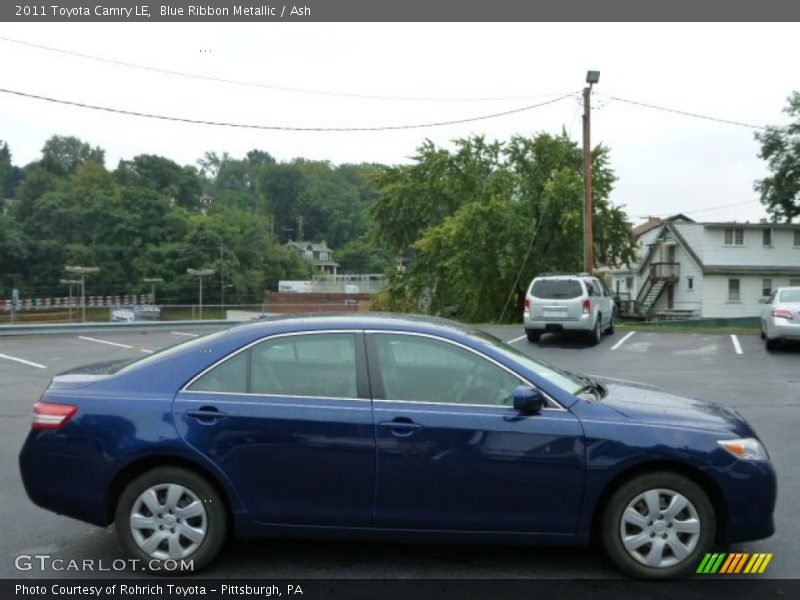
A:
[(533, 335), (171, 514), (596, 334), (770, 343), (658, 526)]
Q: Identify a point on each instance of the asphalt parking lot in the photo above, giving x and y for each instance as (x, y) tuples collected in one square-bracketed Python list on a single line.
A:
[(734, 371)]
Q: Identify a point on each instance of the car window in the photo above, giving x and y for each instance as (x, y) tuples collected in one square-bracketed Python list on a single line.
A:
[(229, 377), (790, 296), (592, 287), (556, 288), (429, 370), (305, 365), (321, 365)]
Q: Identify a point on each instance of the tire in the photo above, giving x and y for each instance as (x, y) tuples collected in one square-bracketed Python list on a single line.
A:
[(205, 521), (610, 328), (771, 344), (534, 335), (596, 334), (679, 540), (763, 335)]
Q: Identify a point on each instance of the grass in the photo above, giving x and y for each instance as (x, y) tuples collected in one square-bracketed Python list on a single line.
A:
[(687, 328)]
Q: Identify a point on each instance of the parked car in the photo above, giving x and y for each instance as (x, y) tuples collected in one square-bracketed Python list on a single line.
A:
[(780, 318), (568, 303), (390, 428)]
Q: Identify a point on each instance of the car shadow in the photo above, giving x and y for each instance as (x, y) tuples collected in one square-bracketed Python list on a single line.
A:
[(568, 339)]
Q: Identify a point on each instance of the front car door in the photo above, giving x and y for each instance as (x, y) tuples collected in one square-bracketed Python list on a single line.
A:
[(289, 422), (453, 454)]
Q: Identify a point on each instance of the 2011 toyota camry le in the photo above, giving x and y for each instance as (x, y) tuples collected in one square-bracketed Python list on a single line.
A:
[(389, 427)]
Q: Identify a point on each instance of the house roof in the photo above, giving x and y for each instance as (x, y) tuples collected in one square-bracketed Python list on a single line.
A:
[(313, 246)]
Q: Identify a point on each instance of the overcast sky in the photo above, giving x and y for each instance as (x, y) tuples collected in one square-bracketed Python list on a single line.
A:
[(666, 163)]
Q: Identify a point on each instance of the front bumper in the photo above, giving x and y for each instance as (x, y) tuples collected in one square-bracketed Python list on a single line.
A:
[(750, 495)]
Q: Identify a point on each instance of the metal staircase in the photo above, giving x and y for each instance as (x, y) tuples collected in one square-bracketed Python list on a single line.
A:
[(646, 303)]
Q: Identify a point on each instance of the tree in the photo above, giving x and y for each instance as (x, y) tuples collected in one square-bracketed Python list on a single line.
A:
[(481, 221), (780, 147), (62, 155)]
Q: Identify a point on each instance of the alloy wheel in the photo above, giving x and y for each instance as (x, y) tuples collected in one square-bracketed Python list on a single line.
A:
[(660, 528)]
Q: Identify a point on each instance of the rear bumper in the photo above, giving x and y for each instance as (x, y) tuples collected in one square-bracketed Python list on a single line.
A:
[(584, 323), (786, 330)]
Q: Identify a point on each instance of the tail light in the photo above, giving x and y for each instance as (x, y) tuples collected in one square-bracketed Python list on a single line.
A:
[(52, 416), (782, 313), (587, 306), (527, 303)]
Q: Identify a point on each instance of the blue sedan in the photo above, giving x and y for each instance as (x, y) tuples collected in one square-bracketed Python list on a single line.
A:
[(390, 428)]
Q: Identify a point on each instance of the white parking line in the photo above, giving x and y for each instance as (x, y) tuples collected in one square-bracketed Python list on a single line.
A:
[(186, 334), (23, 361), (117, 344), (522, 337), (622, 341), (736, 346)]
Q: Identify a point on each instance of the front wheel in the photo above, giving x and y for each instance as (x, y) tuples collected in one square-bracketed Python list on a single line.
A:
[(172, 520), (610, 329), (658, 526)]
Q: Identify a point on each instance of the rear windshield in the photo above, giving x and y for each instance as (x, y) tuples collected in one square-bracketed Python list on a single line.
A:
[(790, 296), (556, 288)]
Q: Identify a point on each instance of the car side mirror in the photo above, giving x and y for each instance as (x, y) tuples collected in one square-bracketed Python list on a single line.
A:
[(528, 400)]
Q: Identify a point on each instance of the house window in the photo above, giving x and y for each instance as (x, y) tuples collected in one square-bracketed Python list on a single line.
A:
[(767, 237), (733, 290), (308, 254), (690, 283), (797, 238), (734, 237), (766, 287), (629, 283)]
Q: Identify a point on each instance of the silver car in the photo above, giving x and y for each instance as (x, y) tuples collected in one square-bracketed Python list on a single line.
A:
[(780, 318), (568, 303)]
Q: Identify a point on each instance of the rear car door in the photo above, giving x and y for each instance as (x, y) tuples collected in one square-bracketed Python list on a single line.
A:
[(289, 421), (452, 452)]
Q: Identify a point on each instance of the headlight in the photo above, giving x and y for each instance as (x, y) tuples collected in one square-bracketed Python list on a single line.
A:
[(746, 449)]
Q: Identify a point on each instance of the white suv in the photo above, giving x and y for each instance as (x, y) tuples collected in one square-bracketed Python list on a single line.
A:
[(568, 303)]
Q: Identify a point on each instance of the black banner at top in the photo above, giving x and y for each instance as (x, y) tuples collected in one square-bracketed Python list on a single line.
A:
[(397, 10)]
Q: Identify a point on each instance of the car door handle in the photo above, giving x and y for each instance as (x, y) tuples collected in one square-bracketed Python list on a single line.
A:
[(401, 426), (206, 414)]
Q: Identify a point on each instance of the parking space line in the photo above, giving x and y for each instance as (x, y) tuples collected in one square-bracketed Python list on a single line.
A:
[(622, 341), (117, 344), (736, 346), (522, 337), (23, 361), (186, 334)]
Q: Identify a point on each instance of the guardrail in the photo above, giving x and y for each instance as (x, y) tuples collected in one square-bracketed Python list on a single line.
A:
[(72, 328)]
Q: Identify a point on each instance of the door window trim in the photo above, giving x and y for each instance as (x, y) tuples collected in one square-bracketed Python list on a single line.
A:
[(362, 377), (376, 377)]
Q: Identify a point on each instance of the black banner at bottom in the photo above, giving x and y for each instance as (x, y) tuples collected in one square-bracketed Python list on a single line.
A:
[(402, 589)]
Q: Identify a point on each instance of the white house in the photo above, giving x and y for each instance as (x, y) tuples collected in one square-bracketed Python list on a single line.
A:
[(320, 255), (689, 269)]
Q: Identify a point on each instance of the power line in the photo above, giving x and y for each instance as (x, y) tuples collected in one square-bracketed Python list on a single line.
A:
[(701, 210), (269, 86), (279, 127), (688, 114)]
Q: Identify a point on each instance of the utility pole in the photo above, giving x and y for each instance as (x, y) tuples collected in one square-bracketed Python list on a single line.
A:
[(592, 77), (200, 273), (222, 277), (82, 271)]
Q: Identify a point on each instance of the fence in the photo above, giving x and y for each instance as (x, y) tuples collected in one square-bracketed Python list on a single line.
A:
[(65, 302)]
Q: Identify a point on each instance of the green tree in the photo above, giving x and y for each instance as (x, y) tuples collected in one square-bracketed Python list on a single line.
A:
[(481, 221), (62, 155), (780, 147)]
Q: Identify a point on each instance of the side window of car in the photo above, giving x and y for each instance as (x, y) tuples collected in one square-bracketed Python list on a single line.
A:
[(228, 377), (423, 369), (305, 365), (590, 287)]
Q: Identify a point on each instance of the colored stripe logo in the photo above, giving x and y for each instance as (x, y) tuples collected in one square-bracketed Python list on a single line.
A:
[(734, 563)]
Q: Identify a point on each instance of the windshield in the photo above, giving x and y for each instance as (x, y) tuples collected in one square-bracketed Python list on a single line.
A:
[(790, 296), (569, 382), (169, 351), (552, 289)]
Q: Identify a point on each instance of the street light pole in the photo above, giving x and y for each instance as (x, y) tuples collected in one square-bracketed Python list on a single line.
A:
[(70, 283), (82, 271), (199, 273), (592, 77), (153, 281)]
